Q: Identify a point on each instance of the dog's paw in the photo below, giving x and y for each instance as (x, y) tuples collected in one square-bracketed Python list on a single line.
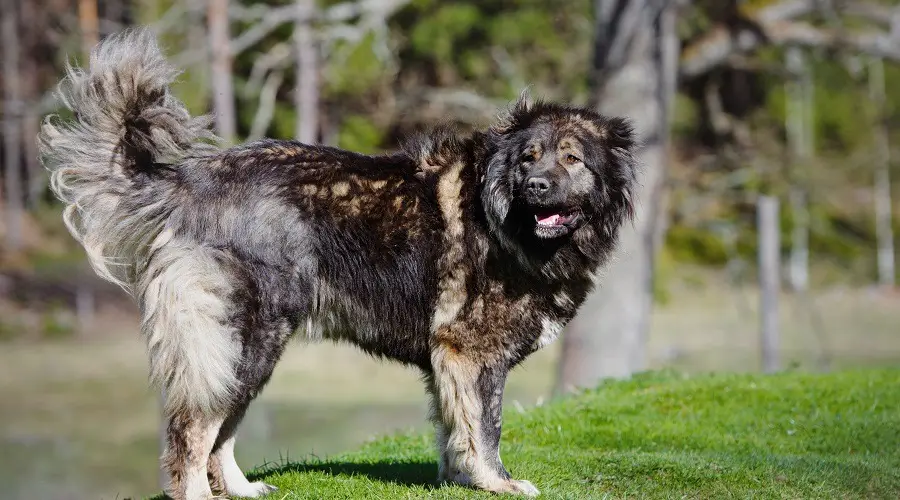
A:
[(462, 479), (252, 490), (519, 487)]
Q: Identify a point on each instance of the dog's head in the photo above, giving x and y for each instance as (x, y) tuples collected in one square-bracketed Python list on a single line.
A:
[(556, 171)]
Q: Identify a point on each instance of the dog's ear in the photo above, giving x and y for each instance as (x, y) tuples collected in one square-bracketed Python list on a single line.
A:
[(622, 143), (515, 115), (620, 133), (523, 103)]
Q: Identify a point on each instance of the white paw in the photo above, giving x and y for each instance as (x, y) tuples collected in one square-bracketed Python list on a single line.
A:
[(252, 490), (517, 487), (524, 487)]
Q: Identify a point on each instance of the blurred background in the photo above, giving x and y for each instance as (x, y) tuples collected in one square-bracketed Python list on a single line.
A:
[(764, 238)]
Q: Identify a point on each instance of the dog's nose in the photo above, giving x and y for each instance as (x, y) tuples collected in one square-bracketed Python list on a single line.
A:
[(538, 185)]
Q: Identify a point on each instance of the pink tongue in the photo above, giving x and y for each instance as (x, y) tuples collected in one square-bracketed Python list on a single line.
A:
[(551, 220)]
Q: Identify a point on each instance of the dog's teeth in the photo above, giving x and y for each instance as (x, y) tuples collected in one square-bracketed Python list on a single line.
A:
[(548, 221)]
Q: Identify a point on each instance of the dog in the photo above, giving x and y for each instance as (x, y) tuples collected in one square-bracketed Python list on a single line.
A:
[(459, 254)]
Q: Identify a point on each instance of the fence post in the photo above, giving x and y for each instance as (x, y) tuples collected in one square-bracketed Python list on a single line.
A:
[(769, 268)]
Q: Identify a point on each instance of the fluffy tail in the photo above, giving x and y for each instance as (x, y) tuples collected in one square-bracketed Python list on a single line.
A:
[(106, 164)]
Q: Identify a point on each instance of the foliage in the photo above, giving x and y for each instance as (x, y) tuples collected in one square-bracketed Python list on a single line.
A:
[(660, 435), (694, 244), (354, 69), (358, 133), (498, 46)]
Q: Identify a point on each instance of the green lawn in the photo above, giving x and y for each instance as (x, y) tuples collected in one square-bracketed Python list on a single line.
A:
[(660, 435)]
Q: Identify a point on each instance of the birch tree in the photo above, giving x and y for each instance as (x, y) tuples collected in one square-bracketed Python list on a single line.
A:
[(799, 122), (306, 96), (222, 87), (883, 226), (89, 24)]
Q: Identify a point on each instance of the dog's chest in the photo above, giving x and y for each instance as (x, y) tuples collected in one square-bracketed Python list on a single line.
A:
[(515, 320)]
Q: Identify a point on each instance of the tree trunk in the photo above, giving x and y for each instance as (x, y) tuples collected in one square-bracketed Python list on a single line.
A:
[(306, 97), (883, 231), (635, 66), (223, 90), (799, 125), (89, 25), (12, 113), (35, 174), (798, 273)]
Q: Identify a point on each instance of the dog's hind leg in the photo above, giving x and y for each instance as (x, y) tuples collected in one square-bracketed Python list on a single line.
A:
[(189, 439), (225, 475), (263, 347), (470, 397), (186, 298)]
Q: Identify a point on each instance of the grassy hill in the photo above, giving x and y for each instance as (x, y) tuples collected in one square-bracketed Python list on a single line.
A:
[(660, 435)]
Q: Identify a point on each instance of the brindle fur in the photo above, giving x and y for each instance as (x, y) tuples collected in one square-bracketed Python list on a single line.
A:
[(429, 256)]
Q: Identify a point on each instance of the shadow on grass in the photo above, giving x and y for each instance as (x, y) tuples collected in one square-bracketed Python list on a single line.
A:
[(422, 474), (402, 473)]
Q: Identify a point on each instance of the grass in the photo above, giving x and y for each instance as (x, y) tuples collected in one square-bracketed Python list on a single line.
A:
[(660, 435)]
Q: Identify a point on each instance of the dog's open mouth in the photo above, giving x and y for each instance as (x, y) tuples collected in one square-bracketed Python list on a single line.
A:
[(555, 223), (551, 219)]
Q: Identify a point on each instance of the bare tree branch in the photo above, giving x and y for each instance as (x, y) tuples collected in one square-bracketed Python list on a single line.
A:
[(171, 18), (874, 43), (373, 14), (266, 109), (272, 18), (434, 104), (874, 13), (789, 9), (276, 58), (714, 49)]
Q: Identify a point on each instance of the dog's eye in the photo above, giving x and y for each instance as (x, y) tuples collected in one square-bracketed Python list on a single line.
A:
[(572, 159), (528, 156)]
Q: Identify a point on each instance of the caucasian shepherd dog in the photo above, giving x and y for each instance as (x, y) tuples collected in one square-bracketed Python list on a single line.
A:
[(458, 255)]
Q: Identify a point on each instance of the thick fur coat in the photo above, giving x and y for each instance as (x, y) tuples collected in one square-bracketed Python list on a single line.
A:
[(459, 255)]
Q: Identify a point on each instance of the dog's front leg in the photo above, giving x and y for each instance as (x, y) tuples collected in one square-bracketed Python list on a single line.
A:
[(469, 402)]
